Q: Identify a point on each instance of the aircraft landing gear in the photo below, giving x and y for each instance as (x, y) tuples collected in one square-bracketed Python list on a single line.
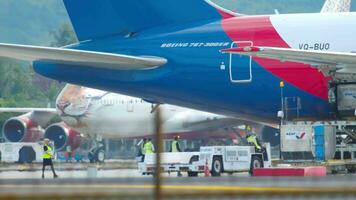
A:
[(97, 152)]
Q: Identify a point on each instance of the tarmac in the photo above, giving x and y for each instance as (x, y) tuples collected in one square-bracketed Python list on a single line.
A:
[(114, 184), (70, 166)]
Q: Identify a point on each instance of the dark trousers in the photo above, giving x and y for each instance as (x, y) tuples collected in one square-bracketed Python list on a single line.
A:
[(47, 162)]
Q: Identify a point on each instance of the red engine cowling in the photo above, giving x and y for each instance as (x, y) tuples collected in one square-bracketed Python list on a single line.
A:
[(63, 136), (22, 129)]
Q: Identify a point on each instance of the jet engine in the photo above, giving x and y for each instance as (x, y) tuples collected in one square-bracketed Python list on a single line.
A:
[(63, 136), (22, 129)]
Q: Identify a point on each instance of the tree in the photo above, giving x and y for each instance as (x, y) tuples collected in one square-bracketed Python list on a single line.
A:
[(20, 86), (64, 36)]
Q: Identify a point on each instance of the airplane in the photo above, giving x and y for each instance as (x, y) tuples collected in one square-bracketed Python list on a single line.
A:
[(101, 114), (181, 52)]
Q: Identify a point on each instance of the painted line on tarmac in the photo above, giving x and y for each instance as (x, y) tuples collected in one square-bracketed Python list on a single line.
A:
[(211, 188)]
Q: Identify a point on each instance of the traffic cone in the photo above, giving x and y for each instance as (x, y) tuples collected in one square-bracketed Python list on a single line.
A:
[(206, 169)]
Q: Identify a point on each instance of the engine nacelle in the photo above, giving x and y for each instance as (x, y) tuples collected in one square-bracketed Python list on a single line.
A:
[(22, 129), (63, 136)]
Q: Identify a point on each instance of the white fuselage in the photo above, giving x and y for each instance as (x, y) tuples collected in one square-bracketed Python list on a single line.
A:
[(325, 32), (91, 111)]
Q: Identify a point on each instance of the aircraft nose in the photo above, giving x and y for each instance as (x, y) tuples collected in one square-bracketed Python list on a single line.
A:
[(72, 101), (63, 105)]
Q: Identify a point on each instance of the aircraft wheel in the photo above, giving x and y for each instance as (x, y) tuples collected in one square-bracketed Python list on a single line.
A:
[(351, 170)]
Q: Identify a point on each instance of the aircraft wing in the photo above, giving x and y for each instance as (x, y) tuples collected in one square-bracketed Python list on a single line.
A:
[(339, 65), (80, 57), (26, 110)]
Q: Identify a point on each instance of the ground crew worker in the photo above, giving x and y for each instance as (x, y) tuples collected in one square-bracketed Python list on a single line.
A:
[(141, 145), (176, 148), (47, 158), (175, 145), (148, 147), (249, 130), (252, 139)]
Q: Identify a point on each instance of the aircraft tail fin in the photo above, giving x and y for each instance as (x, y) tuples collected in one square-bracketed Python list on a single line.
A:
[(336, 6), (102, 18)]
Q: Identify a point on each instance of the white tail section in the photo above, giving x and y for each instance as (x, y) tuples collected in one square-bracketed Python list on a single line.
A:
[(332, 6)]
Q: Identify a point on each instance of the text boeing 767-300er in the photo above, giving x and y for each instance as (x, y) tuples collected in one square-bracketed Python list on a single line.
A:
[(182, 52)]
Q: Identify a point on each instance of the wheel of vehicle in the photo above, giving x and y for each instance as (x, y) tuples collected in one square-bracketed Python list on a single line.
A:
[(192, 174), (217, 167), (100, 156), (256, 162)]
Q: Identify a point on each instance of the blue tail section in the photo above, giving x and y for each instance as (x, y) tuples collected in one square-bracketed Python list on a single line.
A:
[(101, 18)]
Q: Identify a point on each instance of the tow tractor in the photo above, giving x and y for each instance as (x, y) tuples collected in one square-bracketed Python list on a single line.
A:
[(230, 159), (218, 159)]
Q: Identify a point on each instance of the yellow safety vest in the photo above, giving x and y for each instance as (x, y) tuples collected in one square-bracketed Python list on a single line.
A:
[(148, 148), (47, 154), (174, 146), (253, 140)]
